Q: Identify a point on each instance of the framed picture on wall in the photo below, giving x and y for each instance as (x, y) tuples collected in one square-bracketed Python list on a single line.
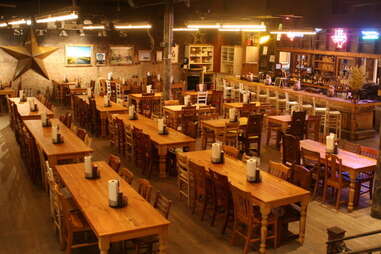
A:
[(144, 55), (100, 58), (78, 55), (175, 54), (121, 55), (159, 56)]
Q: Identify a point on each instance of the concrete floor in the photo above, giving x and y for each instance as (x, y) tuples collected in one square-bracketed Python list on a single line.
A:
[(25, 227)]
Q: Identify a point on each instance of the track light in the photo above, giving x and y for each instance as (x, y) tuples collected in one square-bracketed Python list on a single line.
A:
[(129, 26), (20, 22), (3, 24), (183, 29), (57, 17), (94, 27)]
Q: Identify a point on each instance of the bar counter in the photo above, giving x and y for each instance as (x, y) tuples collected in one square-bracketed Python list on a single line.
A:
[(357, 118)]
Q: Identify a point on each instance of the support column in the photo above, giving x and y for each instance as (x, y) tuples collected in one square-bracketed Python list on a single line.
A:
[(168, 40), (376, 201)]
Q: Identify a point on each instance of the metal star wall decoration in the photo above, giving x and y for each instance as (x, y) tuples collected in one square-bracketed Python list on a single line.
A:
[(30, 56)]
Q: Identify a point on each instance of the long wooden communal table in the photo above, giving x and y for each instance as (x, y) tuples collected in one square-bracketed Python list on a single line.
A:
[(352, 163), (357, 119), (72, 148), (104, 111), (137, 219), (162, 142), (136, 98), (272, 192), (174, 112), (24, 109)]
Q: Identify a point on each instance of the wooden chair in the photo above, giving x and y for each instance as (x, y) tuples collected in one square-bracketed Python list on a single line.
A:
[(202, 98), (349, 146), (298, 124), (111, 127), (114, 162), (202, 190), (162, 204), (222, 198), (145, 189), (74, 223), (311, 160), (290, 150), (231, 134), (313, 127), (334, 177), (248, 214), (121, 136), (171, 102), (139, 147), (183, 181), (367, 177), (248, 109), (81, 133), (88, 140), (231, 151), (216, 101), (189, 121), (129, 141), (301, 176), (279, 170), (126, 175), (253, 133)]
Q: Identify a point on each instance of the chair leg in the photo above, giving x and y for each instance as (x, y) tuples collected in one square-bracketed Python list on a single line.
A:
[(276, 236), (69, 243), (325, 192), (247, 240), (371, 188), (235, 225), (316, 187), (214, 214), (338, 197), (204, 208), (226, 222)]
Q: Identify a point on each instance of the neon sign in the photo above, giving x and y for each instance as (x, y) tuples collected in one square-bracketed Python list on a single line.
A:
[(339, 37), (370, 35)]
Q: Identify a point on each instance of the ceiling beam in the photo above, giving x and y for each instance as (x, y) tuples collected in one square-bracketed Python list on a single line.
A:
[(7, 5)]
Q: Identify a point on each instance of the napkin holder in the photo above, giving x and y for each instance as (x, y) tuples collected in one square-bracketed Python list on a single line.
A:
[(46, 124), (95, 173), (134, 117), (165, 131), (34, 108), (234, 120), (107, 105), (256, 179), (221, 160), (23, 98), (59, 140), (122, 201)]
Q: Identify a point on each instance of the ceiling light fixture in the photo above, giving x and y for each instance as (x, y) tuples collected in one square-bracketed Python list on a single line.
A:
[(205, 26), (264, 39), (3, 24), (94, 27), (294, 32), (145, 26), (181, 29), (229, 30), (246, 28), (59, 17), (20, 22)]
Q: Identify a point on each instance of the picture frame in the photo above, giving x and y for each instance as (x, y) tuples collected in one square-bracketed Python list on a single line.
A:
[(175, 54), (100, 59), (77, 55), (144, 55), (159, 55), (121, 55)]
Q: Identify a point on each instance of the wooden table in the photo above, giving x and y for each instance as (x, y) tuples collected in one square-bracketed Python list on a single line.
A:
[(272, 192), (138, 219), (218, 125), (237, 105), (282, 120), (193, 95), (8, 91), (104, 111), (162, 142), (174, 112), (24, 109), (136, 98), (352, 163), (72, 148)]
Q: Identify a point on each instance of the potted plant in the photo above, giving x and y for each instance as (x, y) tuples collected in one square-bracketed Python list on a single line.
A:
[(356, 81)]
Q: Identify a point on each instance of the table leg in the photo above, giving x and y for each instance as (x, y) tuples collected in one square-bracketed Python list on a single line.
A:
[(162, 161), (163, 241), (352, 190), (265, 211), (104, 245), (303, 218)]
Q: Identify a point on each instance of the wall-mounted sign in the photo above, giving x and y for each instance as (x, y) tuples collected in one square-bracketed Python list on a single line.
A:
[(370, 35), (339, 37)]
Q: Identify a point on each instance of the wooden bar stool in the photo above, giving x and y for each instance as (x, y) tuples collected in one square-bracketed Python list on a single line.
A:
[(333, 123)]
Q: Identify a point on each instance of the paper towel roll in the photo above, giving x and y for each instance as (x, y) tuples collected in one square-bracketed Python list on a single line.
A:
[(216, 152), (54, 133), (43, 118), (232, 114), (106, 100), (21, 93), (201, 87), (186, 100), (245, 98), (113, 190), (88, 166), (251, 166), (158, 77), (330, 143), (109, 75), (89, 93), (160, 125), (131, 110), (149, 88)]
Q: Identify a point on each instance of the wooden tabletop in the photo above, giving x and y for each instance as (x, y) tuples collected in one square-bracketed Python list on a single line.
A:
[(92, 199), (220, 123), (24, 109), (178, 108), (140, 95), (272, 190), (8, 91), (281, 118), (194, 93), (149, 127), (351, 161), (240, 104), (99, 101), (43, 136)]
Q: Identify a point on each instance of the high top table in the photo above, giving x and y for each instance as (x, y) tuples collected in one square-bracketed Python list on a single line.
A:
[(162, 142), (271, 192), (24, 109), (137, 219), (352, 163)]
